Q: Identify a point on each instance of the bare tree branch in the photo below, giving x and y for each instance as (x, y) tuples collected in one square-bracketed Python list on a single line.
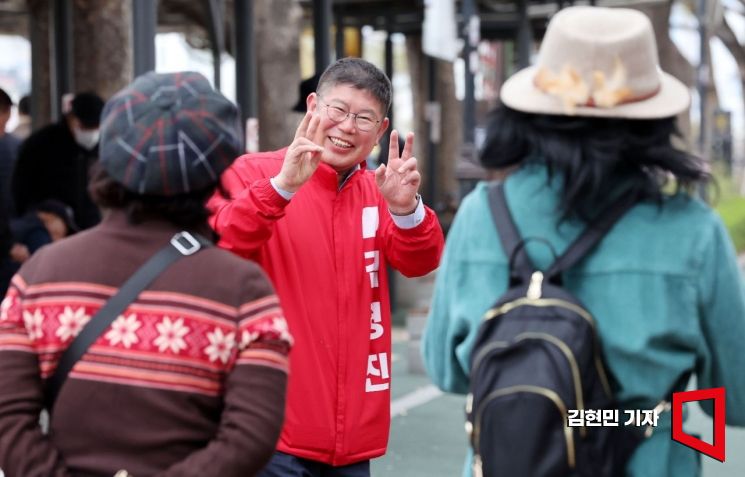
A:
[(724, 32)]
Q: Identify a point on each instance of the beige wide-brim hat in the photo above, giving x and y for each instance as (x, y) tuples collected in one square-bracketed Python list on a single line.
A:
[(599, 62)]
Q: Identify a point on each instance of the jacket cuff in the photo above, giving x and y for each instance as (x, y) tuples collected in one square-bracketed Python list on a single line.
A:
[(287, 195), (412, 220), (267, 193)]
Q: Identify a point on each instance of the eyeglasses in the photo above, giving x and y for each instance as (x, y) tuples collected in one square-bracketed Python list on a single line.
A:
[(338, 115)]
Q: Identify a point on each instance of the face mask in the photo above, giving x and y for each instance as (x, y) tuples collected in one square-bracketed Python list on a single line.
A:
[(86, 138)]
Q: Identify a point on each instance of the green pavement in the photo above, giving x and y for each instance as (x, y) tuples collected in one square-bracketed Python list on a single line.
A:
[(427, 440)]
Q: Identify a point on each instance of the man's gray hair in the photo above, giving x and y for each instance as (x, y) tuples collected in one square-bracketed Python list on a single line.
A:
[(359, 74)]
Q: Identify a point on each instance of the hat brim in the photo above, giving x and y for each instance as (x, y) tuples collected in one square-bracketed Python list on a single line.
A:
[(300, 106), (520, 93), (72, 227)]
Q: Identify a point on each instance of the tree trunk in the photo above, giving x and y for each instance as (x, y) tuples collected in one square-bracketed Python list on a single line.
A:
[(277, 33), (451, 134), (450, 127), (724, 32), (102, 58), (40, 29), (671, 60)]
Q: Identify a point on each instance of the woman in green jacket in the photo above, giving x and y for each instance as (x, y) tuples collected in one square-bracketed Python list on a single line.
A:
[(593, 120)]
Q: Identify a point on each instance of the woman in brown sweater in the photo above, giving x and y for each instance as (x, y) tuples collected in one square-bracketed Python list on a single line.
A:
[(190, 379)]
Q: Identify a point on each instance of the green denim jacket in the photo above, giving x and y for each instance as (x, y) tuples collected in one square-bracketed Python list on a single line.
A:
[(664, 287)]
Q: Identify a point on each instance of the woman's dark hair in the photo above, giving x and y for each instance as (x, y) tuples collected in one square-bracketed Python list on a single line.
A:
[(598, 159), (187, 211)]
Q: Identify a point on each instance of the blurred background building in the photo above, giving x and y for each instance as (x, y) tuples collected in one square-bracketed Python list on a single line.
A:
[(257, 52), (446, 58)]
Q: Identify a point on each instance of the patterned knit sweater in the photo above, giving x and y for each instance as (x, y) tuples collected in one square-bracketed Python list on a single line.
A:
[(188, 381)]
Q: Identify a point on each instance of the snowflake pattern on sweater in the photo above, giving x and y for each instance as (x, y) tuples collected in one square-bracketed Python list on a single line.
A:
[(164, 340)]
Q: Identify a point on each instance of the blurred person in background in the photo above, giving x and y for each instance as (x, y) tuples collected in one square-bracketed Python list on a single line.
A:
[(11, 253), (23, 127), (48, 222), (6, 242), (190, 378), (54, 162), (306, 87), (9, 145)]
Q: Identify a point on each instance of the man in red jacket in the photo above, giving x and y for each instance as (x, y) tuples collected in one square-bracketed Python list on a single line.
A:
[(325, 228)]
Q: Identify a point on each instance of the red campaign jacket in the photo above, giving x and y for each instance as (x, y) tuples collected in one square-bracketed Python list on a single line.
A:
[(326, 253)]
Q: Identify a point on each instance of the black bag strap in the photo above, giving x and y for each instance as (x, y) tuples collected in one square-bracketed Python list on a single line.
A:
[(521, 267), (591, 236), (182, 244)]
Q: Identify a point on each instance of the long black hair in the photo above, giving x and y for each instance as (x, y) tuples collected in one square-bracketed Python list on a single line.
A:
[(598, 159)]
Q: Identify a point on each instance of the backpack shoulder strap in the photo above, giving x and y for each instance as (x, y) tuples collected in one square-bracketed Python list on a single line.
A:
[(181, 245), (591, 236), (521, 267)]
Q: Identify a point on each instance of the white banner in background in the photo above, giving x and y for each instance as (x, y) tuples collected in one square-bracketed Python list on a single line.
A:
[(439, 32)]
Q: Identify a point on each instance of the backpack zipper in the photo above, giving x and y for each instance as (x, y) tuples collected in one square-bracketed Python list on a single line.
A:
[(547, 393), (546, 302), (576, 378)]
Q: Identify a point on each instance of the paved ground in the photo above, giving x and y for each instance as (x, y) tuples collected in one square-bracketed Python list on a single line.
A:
[(427, 436), (428, 440)]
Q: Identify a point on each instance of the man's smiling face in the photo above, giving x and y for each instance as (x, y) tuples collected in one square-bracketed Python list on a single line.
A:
[(345, 144)]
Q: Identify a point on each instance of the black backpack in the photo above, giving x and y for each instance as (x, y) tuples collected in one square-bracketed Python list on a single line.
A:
[(537, 356)]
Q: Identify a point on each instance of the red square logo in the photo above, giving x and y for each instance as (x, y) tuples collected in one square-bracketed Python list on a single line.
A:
[(715, 450)]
